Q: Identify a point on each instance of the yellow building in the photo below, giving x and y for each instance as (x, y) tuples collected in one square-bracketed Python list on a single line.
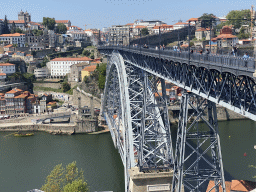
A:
[(87, 71)]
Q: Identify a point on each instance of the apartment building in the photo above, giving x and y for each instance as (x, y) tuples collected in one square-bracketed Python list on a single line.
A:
[(7, 68), (17, 101), (61, 66), (15, 38)]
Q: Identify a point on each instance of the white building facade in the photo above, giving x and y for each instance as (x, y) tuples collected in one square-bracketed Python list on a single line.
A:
[(41, 72), (15, 38), (61, 66), (7, 68)]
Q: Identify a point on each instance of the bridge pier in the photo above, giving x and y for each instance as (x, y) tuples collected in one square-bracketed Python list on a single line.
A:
[(148, 182), (198, 157)]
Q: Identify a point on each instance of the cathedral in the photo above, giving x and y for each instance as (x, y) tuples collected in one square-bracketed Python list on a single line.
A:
[(24, 16)]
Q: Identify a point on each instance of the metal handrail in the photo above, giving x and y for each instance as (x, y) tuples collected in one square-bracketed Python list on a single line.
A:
[(222, 60)]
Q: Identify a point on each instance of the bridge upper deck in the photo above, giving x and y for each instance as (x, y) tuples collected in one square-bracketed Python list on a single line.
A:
[(236, 65)]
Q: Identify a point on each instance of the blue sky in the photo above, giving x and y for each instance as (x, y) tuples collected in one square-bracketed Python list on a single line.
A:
[(104, 13)]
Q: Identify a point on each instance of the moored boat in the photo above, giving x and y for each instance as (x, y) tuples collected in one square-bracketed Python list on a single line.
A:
[(23, 134)]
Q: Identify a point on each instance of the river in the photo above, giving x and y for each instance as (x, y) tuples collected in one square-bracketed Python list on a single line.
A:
[(26, 161)]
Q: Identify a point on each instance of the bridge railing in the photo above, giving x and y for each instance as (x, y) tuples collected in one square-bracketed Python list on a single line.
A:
[(220, 60)]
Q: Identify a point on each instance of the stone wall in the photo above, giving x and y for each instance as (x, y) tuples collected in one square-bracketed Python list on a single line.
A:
[(85, 99), (51, 85)]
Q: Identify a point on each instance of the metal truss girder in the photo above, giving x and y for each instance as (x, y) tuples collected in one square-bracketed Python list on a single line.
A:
[(237, 93), (198, 152)]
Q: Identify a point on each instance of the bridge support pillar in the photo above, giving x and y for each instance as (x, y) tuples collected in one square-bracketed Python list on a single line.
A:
[(151, 181), (198, 156)]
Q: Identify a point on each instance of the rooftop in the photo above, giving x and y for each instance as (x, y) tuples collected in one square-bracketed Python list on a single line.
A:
[(90, 68), (72, 59)]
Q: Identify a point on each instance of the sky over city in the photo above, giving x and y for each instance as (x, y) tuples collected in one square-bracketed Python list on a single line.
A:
[(105, 13)]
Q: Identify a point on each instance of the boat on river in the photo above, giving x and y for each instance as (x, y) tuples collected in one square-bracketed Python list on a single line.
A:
[(23, 134)]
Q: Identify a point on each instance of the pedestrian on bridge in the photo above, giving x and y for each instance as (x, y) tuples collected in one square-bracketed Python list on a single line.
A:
[(246, 57)]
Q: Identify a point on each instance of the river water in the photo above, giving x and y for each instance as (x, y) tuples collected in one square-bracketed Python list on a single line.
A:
[(26, 161)]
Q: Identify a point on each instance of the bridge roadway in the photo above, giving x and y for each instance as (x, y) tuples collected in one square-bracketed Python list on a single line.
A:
[(222, 79)]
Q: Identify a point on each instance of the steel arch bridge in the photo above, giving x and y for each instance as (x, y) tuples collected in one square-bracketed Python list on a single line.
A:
[(137, 113)]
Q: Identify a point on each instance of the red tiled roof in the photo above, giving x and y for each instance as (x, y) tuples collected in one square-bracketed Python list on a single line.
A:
[(90, 68), (21, 96), (180, 23), (72, 59), (225, 36), (242, 185), (6, 64), (129, 24), (12, 35), (16, 21), (12, 91), (211, 184), (192, 19), (2, 74), (203, 29), (7, 46), (140, 26), (61, 21)]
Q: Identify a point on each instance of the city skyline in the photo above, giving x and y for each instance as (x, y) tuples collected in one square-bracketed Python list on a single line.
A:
[(105, 13)]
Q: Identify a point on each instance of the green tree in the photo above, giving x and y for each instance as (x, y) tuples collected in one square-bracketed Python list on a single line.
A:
[(66, 86), (238, 18), (242, 34), (86, 53), (76, 186), (144, 31), (13, 27), (18, 30), (65, 180), (5, 26), (49, 23), (102, 75), (207, 20), (61, 28)]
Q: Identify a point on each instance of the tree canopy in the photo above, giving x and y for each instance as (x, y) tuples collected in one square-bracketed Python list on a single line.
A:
[(102, 74), (49, 23), (68, 179), (239, 18), (61, 28), (66, 86), (5, 29), (207, 20), (144, 31)]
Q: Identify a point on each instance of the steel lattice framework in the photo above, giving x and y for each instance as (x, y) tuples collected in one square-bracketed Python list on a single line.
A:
[(217, 80), (199, 149), (138, 122)]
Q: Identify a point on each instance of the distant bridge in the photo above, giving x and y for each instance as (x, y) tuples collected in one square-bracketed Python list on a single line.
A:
[(139, 124)]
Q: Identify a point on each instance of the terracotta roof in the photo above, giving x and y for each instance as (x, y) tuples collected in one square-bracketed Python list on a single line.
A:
[(28, 55), (164, 26), (72, 59), (130, 24), (12, 35), (21, 96), (114, 116), (61, 21), (225, 36), (16, 21), (203, 29), (180, 23), (90, 68), (6, 64), (7, 46), (242, 185), (192, 19), (12, 91), (18, 89), (2, 74), (211, 184), (140, 27)]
